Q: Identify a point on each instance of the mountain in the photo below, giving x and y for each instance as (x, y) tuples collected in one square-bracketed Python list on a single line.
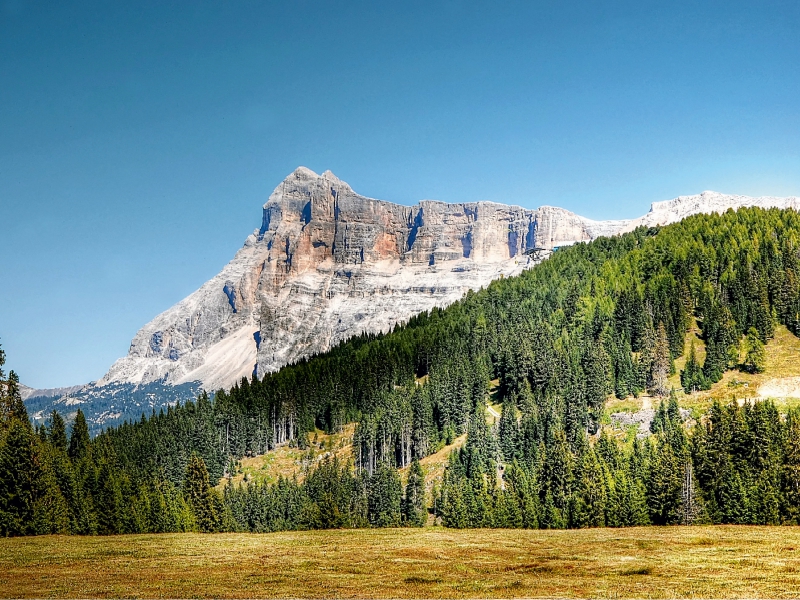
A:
[(672, 211), (546, 355), (26, 392), (326, 264)]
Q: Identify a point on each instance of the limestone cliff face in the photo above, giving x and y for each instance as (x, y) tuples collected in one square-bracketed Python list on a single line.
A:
[(672, 211), (327, 264)]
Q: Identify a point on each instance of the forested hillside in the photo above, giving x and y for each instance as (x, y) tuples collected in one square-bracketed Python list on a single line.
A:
[(608, 317)]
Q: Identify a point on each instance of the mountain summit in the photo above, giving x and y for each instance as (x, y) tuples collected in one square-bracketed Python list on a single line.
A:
[(328, 263)]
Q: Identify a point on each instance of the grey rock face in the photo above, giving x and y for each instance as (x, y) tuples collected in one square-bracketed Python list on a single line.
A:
[(327, 264)]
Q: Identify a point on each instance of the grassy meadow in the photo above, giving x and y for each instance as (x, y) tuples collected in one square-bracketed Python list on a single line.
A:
[(649, 562)]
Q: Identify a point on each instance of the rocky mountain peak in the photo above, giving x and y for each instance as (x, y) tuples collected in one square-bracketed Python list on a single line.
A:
[(328, 263)]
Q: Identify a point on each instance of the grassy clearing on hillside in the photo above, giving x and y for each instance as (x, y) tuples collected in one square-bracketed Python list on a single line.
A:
[(781, 375), (287, 461), (433, 465), (651, 562), (780, 380)]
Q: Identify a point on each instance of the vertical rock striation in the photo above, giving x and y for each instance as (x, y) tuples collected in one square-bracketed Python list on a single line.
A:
[(326, 264)]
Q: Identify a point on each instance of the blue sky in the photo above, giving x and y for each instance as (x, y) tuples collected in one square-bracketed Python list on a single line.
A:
[(139, 140)]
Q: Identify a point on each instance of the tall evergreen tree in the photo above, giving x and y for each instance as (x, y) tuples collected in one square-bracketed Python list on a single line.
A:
[(79, 438), (384, 497), (755, 354), (508, 430), (414, 510), (17, 479), (662, 362), (200, 496), (692, 378), (57, 431)]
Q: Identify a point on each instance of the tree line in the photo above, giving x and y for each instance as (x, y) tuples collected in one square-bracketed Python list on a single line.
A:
[(608, 317)]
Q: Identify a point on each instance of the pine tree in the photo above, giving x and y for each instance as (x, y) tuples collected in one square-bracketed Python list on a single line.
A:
[(384, 497), (452, 508), (17, 479), (588, 500), (51, 513), (414, 511), (57, 432), (79, 438), (665, 485), (755, 355), (108, 502), (13, 406), (662, 363), (660, 423), (552, 516), (508, 431), (199, 495), (519, 484), (692, 378)]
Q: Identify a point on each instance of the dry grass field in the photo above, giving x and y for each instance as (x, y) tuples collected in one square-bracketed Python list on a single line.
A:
[(668, 562)]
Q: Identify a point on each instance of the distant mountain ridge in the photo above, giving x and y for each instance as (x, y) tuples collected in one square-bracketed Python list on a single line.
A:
[(326, 264)]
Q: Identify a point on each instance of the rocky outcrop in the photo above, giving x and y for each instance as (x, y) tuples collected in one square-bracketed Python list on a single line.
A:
[(326, 264), (672, 211)]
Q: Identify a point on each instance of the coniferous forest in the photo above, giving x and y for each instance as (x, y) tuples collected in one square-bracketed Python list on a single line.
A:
[(595, 320)]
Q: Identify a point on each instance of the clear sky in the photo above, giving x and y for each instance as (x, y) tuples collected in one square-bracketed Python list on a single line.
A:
[(138, 140)]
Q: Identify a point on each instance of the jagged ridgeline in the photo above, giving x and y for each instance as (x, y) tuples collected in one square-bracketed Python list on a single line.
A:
[(607, 317)]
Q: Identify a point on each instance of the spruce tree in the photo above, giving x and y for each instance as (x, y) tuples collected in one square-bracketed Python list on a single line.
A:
[(692, 378), (588, 500), (508, 431), (452, 507), (17, 479), (108, 502), (12, 399), (57, 432), (755, 354), (51, 511), (199, 495), (79, 438), (384, 497), (414, 511), (662, 363), (665, 485)]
